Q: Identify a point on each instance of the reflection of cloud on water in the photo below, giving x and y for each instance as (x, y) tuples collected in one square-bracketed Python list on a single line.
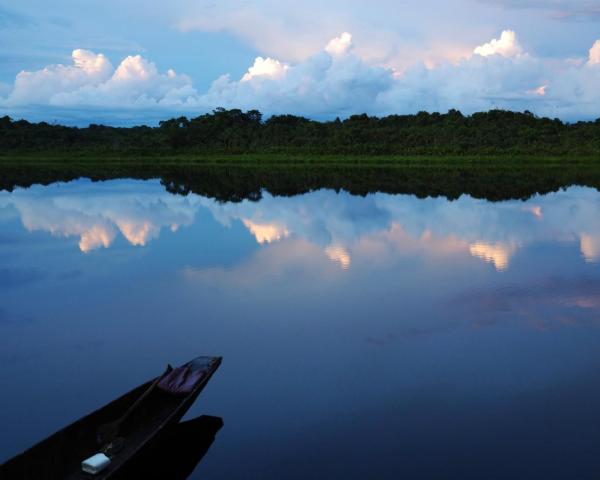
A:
[(498, 254), (295, 259), (345, 229), (586, 301), (266, 232), (590, 247), (324, 218), (98, 212), (389, 233), (338, 254), (492, 232), (383, 246), (543, 304), (90, 239), (535, 210), (139, 232)]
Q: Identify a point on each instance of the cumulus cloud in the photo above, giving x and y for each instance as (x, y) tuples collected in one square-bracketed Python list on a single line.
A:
[(541, 90), (594, 58), (336, 81), (135, 82), (500, 74), (339, 45), (92, 81), (265, 67), (506, 46), (88, 69)]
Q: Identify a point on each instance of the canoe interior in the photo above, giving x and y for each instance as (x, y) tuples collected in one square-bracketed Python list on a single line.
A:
[(60, 455)]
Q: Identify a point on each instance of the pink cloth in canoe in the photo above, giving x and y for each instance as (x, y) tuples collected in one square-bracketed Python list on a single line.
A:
[(180, 380)]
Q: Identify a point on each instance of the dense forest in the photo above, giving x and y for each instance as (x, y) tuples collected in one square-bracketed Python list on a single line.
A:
[(234, 132)]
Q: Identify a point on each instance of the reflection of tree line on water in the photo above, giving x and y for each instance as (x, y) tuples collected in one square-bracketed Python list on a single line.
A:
[(228, 183)]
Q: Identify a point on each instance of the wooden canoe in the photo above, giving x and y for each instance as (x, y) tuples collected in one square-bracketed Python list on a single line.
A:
[(60, 455)]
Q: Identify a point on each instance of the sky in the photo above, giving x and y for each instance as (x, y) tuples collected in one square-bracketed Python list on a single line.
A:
[(135, 62)]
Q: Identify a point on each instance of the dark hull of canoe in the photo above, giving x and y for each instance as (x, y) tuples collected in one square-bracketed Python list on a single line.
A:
[(175, 453), (60, 455)]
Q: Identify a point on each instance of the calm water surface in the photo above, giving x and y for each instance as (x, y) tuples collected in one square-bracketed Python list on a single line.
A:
[(383, 336)]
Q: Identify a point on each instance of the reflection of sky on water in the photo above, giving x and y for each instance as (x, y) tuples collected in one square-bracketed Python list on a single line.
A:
[(96, 213), (335, 314)]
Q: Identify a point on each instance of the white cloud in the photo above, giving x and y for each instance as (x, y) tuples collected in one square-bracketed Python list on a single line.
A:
[(327, 83), (136, 82), (507, 46), (265, 67), (474, 84), (541, 90), (337, 81), (134, 69), (92, 81), (594, 58), (39, 86), (340, 45), (90, 62)]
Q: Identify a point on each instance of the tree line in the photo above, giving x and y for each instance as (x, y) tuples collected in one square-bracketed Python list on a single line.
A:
[(236, 132)]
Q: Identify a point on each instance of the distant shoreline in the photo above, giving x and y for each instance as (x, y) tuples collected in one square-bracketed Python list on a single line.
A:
[(223, 133)]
